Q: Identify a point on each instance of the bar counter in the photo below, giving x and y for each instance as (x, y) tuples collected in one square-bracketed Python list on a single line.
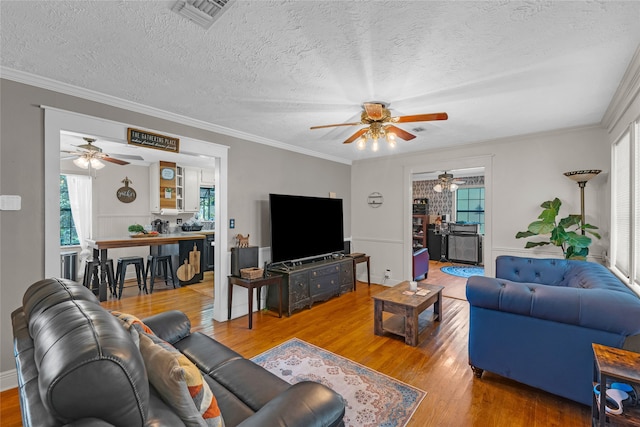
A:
[(101, 245)]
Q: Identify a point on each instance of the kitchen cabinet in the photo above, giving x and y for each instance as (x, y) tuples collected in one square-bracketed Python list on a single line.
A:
[(191, 189), (208, 252), (185, 185), (162, 183)]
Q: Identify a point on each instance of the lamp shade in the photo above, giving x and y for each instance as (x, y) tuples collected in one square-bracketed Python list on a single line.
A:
[(81, 162), (582, 175)]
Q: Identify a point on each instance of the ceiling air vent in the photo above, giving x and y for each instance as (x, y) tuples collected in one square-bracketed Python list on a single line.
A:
[(202, 12)]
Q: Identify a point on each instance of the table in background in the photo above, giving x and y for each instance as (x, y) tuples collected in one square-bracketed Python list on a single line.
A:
[(357, 259), (101, 245), (252, 284), (407, 309), (617, 365)]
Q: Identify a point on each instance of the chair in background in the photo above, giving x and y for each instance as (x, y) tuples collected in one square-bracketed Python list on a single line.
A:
[(121, 271)]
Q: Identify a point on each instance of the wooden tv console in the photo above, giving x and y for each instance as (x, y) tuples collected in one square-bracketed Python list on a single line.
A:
[(306, 284)]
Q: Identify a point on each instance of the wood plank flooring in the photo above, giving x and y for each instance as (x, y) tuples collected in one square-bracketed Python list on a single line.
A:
[(344, 325)]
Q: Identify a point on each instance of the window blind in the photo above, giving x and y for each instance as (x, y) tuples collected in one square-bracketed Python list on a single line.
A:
[(622, 204)]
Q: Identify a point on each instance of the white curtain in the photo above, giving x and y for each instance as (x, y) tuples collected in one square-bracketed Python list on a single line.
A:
[(79, 187)]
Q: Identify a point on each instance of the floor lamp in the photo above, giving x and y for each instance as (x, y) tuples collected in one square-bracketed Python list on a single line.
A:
[(581, 177)]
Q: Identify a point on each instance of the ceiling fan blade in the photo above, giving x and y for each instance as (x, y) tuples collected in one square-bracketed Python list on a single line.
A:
[(341, 124), (356, 135), (113, 160), (400, 133), (374, 111), (420, 118)]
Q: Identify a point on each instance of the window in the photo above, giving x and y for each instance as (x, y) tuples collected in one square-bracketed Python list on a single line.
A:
[(625, 207), (207, 204), (68, 234), (470, 206)]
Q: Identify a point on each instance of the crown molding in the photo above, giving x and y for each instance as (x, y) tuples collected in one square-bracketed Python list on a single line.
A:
[(90, 95), (627, 91)]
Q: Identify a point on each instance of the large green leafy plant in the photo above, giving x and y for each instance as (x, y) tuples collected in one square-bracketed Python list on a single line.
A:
[(565, 233)]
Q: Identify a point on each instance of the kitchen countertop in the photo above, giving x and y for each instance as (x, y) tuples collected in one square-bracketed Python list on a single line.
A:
[(159, 239), (199, 232)]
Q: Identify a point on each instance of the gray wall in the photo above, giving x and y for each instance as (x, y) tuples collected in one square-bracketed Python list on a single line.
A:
[(255, 170)]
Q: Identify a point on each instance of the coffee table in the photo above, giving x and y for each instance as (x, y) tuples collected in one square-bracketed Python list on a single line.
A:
[(407, 309)]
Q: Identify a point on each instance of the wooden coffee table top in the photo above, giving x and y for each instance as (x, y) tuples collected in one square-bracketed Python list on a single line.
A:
[(395, 294)]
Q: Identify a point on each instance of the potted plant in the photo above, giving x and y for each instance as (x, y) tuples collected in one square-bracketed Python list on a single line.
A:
[(567, 233), (135, 229)]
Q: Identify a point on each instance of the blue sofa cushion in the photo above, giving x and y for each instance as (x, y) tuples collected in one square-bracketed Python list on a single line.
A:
[(569, 291), (617, 312)]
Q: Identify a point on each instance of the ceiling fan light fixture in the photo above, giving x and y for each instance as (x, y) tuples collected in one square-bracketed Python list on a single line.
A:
[(447, 182), (81, 162), (374, 146), (362, 143), (96, 164)]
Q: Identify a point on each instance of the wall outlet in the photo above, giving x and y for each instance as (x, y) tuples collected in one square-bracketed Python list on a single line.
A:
[(387, 274)]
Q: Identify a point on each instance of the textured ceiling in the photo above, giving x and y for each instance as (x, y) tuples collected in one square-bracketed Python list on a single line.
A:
[(272, 69)]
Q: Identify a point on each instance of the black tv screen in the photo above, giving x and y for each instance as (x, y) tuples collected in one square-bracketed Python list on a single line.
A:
[(305, 227)]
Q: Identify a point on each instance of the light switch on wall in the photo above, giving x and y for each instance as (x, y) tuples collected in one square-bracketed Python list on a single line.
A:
[(10, 203)]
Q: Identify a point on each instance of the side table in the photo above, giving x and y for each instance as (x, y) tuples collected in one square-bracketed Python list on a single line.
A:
[(619, 365), (252, 284), (357, 259), (406, 308)]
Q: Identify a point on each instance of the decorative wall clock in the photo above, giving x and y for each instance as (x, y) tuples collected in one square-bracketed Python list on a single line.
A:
[(375, 200)]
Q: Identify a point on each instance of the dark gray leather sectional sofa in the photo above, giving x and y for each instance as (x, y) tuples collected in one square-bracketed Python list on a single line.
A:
[(78, 366)]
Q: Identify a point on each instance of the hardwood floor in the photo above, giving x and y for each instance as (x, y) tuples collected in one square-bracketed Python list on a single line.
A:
[(344, 325)]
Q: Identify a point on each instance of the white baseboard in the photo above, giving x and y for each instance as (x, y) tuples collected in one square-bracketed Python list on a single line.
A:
[(8, 380)]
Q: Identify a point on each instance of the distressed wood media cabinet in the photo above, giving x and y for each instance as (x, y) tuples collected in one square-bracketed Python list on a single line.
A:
[(304, 285)]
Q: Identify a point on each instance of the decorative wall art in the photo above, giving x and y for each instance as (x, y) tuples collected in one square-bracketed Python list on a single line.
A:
[(126, 194)]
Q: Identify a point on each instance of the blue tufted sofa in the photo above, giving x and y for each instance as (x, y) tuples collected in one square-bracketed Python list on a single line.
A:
[(535, 322)]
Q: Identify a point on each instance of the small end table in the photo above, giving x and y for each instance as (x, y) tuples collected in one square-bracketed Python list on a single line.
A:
[(357, 259), (614, 364), (252, 284)]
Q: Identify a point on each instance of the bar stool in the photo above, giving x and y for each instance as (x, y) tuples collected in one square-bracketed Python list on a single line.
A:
[(163, 261), (91, 269), (121, 271)]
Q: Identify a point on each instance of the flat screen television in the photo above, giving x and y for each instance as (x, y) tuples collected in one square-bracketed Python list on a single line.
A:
[(305, 227)]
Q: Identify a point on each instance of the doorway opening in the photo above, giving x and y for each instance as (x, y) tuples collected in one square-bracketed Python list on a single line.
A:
[(448, 212), (59, 123)]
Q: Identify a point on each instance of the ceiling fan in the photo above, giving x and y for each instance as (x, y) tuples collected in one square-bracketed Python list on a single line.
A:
[(91, 155), (380, 124), (446, 181)]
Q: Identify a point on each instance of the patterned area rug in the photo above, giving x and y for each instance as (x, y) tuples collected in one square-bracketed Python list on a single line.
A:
[(372, 399), (463, 271)]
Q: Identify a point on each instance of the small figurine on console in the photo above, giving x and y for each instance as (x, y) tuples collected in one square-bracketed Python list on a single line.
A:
[(243, 242)]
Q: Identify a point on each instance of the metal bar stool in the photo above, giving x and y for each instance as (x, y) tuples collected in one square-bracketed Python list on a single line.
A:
[(91, 279), (163, 261), (121, 271)]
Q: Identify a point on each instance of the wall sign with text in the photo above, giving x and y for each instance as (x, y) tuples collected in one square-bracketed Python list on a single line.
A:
[(156, 141), (126, 194)]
